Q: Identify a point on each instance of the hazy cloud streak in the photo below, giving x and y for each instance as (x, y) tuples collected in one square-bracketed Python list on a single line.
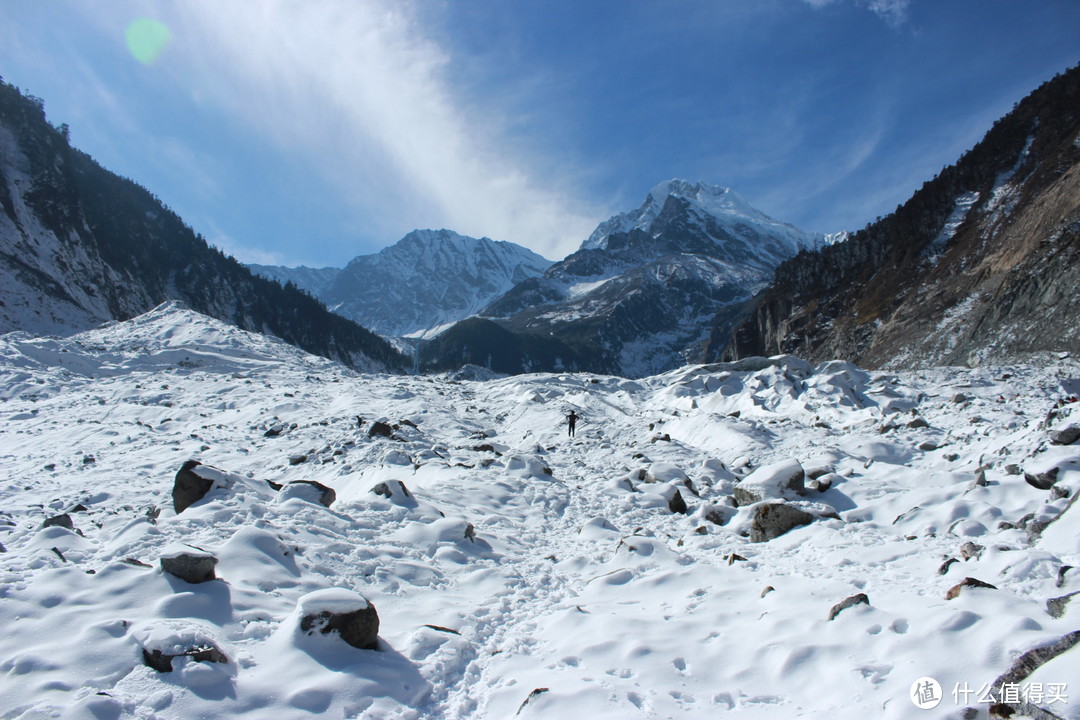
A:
[(359, 88)]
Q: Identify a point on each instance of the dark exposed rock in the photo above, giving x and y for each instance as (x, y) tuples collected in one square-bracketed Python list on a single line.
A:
[(297, 459), (1028, 663), (190, 564), (733, 557), (63, 520), (1066, 436), (163, 663), (358, 627), (1061, 575), (534, 694), (970, 550), (380, 429), (928, 445), (944, 568), (860, 599), (189, 487), (918, 423), (392, 489), (440, 628), (1043, 480), (771, 520), (768, 589), (969, 582), (1056, 606), (676, 503)]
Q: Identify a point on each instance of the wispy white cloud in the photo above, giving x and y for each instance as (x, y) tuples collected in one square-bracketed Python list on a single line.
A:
[(358, 92), (894, 12)]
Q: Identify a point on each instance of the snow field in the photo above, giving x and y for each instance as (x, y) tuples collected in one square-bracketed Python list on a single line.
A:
[(517, 572)]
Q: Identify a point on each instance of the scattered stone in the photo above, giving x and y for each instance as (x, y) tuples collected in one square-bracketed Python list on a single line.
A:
[(928, 445), (163, 663), (733, 557), (392, 489), (1058, 492), (969, 713), (676, 503), (918, 423), (814, 472), (341, 611), (297, 459), (63, 520), (768, 589), (946, 565), (470, 532), (960, 397), (135, 562), (189, 487), (823, 483), (440, 628), (536, 692), (860, 599), (327, 496), (1061, 575), (954, 591), (1012, 469), (1028, 663), (50, 467), (771, 520), (700, 530), (165, 641), (1043, 480), (59, 554), (979, 480), (89, 460), (970, 550), (1065, 436), (779, 480), (189, 563), (718, 515), (1000, 710), (381, 429), (951, 457), (1056, 606)]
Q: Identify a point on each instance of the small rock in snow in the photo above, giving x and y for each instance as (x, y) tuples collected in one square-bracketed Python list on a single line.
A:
[(860, 599), (954, 591)]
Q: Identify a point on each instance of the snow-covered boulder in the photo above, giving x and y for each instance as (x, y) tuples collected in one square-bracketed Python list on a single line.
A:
[(309, 491), (340, 611), (781, 480), (183, 646), (189, 563)]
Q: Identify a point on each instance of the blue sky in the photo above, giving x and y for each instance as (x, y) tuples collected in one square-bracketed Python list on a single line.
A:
[(310, 132)]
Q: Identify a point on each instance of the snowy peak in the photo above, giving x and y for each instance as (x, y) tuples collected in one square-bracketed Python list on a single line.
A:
[(705, 204), (426, 280)]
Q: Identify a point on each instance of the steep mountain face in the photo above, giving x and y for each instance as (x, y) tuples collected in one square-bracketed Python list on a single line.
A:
[(80, 246), (981, 264), (426, 280), (313, 281), (640, 294)]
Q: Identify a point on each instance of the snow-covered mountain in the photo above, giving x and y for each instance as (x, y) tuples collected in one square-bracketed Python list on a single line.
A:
[(80, 246), (426, 280), (638, 571), (641, 294), (981, 264)]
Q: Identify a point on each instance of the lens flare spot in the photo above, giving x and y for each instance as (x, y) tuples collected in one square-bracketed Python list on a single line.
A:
[(146, 39)]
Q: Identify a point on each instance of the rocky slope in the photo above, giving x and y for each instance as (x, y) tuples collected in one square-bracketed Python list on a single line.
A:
[(80, 246), (638, 296), (981, 264), (426, 280)]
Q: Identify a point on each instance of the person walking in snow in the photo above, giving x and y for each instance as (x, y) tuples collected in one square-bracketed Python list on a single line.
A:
[(571, 421)]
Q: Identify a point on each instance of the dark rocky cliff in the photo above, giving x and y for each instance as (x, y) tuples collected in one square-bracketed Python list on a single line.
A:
[(80, 245), (981, 264)]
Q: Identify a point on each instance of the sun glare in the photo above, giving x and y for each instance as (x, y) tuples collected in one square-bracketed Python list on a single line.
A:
[(146, 39)]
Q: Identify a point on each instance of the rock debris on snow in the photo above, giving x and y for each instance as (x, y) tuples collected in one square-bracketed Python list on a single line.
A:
[(557, 562)]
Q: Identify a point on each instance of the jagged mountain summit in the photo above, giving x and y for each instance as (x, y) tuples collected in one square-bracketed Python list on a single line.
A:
[(426, 280), (639, 295), (80, 246), (981, 264)]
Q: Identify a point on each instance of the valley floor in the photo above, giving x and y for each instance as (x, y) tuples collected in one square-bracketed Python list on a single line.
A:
[(525, 573)]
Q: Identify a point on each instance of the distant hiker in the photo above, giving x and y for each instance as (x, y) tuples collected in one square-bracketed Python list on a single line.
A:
[(359, 421), (571, 420)]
